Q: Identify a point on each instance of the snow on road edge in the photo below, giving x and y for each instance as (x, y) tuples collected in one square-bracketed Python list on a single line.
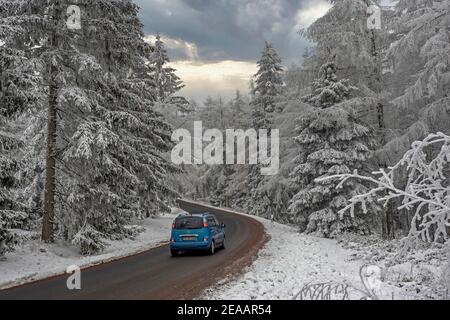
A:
[(36, 260)]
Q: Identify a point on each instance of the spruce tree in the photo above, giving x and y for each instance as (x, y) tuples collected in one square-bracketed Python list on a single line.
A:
[(266, 87), (266, 90), (331, 141), (20, 96), (239, 111), (167, 83), (13, 214), (342, 36)]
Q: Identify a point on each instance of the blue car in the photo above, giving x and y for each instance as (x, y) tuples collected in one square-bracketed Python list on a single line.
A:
[(197, 232)]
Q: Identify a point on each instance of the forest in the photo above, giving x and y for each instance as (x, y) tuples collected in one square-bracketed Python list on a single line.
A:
[(86, 122), (360, 101)]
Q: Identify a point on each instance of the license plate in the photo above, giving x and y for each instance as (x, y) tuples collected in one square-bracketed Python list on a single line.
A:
[(189, 238)]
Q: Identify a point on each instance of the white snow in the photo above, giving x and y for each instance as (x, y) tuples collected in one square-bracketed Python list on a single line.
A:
[(35, 260), (291, 260), (288, 262)]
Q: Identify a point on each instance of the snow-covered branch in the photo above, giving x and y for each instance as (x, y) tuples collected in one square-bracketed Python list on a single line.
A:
[(427, 191)]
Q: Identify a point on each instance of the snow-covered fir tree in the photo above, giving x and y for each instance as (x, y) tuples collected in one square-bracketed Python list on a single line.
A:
[(239, 110), (267, 84), (330, 141), (20, 97), (167, 83), (420, 56), (266, 88), (222, 186), (13, 214), (342, 36), (105, 146)]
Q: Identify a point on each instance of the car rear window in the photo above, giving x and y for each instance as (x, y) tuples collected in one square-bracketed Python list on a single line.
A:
[(189, 223)]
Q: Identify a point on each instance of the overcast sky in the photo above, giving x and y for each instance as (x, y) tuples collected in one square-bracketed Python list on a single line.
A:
[(214, 44)]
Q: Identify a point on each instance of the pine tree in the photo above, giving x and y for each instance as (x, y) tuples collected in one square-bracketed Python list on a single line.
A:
[(266, 90), (221, 181), (167, 83), (267, 85), (105, 161), (342, 36), (238, 110), (20, 77), (331, 141), (13, 214)]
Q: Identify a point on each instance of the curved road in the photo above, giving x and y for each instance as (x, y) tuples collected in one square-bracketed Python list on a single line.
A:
[(154, 274)]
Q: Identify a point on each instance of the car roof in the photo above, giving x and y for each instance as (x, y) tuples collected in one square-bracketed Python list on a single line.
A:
[(205, 214), (183, 214)]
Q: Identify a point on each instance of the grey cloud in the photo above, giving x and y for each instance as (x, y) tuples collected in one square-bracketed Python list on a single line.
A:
[(227, 29)]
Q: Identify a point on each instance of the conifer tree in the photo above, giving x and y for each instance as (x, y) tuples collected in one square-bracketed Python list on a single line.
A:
[(167, 83), (330, 141), (266, 87), (20, 96), (342, 35), (266, 90), (238, 110)]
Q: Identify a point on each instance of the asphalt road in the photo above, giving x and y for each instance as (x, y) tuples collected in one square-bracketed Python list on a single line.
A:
[(154, 274)]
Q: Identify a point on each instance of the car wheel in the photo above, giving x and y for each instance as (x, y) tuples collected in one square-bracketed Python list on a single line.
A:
[(212, 248), (223, 243), (174, 253)]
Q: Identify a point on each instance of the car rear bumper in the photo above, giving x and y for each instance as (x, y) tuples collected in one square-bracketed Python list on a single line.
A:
[(189, 245)]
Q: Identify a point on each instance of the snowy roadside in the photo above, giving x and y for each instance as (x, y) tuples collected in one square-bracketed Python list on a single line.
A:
[(35, 260), (287, 263), (290, 261), (419, 273)]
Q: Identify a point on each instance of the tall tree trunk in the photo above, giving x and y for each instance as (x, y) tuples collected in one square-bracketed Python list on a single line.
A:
[(50, 179), (376, 80), (50, 166), (376, 85)]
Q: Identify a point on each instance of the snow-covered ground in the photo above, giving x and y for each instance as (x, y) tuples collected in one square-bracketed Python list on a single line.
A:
[(290, 261), (36, 260)]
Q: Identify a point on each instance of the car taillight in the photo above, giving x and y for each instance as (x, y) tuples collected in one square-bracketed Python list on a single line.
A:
[(205, 239), (173, 225), (205, 225)]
